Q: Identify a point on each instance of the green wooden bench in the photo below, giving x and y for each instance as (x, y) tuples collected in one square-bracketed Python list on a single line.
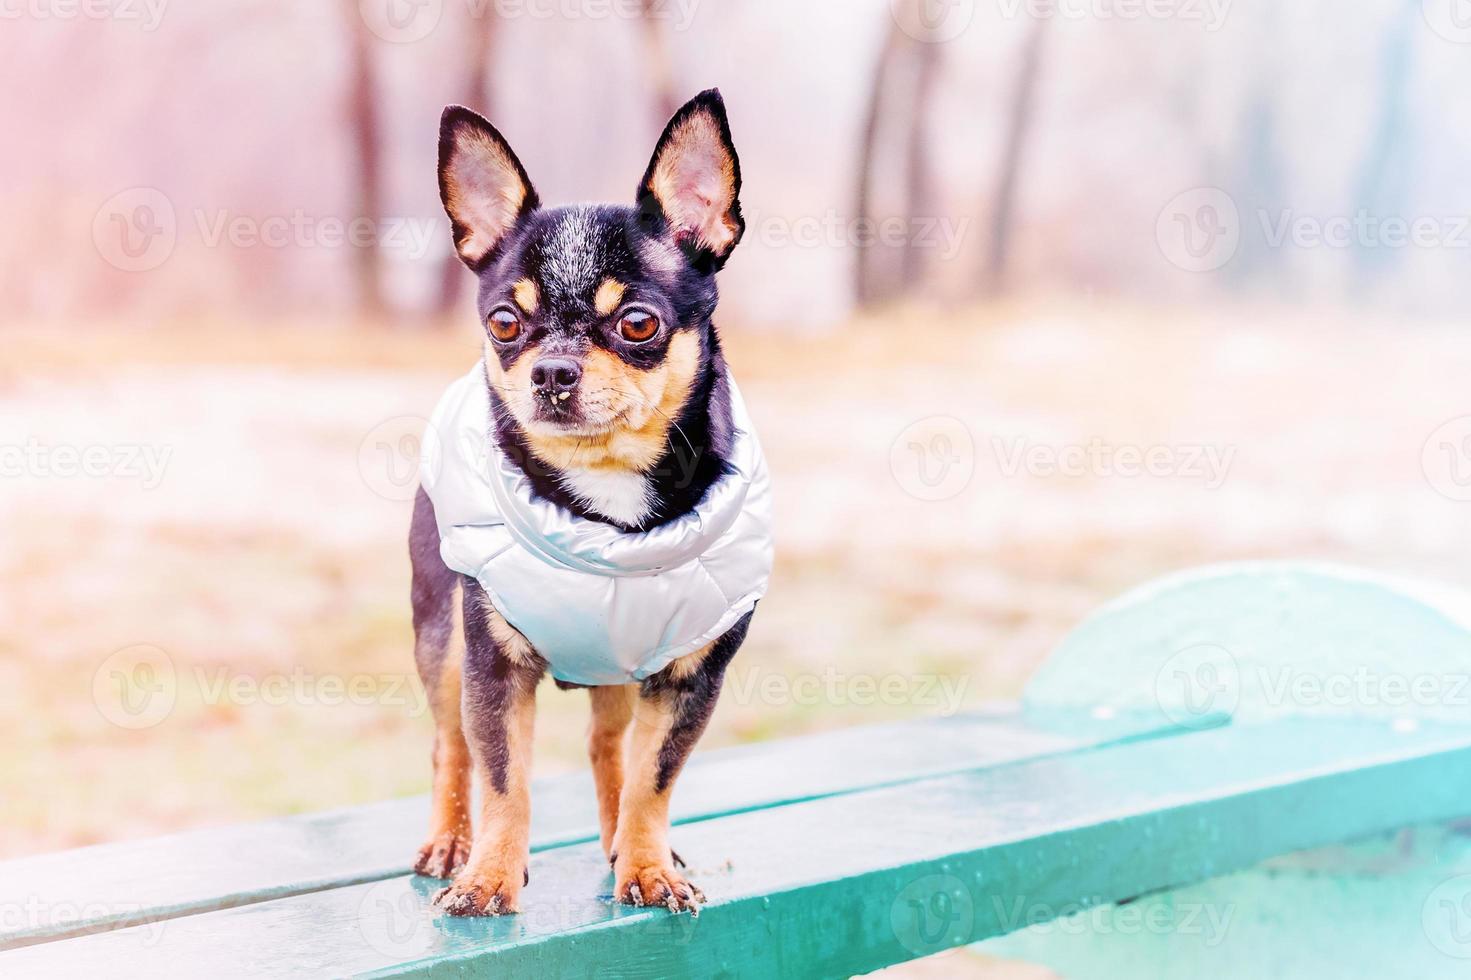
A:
[(1156, 806)]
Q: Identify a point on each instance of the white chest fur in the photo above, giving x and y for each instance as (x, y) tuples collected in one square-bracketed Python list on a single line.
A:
[(621, 495)]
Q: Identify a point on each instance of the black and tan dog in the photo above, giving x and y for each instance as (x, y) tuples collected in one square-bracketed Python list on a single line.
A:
[(608, 390)]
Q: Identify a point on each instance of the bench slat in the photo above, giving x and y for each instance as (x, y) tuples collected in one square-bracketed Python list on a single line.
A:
[(850, 883), (92, 889)]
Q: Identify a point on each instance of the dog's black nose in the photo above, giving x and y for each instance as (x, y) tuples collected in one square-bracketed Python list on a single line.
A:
[(552, 376)]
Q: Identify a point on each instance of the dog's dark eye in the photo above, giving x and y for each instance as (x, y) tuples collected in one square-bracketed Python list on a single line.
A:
[(505, 325), (638, 326)]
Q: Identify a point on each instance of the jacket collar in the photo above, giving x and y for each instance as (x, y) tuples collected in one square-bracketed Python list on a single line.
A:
[(560, 537)]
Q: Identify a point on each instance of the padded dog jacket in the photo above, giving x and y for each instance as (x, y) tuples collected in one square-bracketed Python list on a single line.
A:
[(601, 605)]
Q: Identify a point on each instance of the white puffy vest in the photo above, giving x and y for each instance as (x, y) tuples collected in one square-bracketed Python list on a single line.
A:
[(603, 606)]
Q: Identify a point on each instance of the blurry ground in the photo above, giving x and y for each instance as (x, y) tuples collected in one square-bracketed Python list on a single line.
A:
[(243, 527)]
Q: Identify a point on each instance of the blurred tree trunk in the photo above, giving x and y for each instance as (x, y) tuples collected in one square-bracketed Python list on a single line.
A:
[(1018, 127), (868, 287), (920, 186), (1383, 178), (658, 65), (479, 42), (363, 124)]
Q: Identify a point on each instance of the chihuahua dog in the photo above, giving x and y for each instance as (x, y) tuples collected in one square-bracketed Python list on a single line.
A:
[(594, 491)]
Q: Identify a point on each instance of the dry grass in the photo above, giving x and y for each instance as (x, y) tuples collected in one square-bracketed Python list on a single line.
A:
[(265, 552)]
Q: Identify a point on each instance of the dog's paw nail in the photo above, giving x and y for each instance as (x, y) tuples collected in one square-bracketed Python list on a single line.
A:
[(678, 861)]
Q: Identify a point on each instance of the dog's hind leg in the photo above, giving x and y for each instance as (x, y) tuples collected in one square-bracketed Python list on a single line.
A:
[(673, 708), (433, 594), (612, 709)]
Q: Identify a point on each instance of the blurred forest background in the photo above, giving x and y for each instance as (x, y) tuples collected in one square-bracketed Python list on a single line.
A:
[(998, 253)]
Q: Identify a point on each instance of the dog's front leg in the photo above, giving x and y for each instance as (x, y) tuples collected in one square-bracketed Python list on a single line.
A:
[(500, 676), (674, 706)]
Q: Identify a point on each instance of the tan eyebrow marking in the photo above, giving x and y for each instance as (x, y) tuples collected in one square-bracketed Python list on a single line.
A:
[(526, 295), (609, 295)]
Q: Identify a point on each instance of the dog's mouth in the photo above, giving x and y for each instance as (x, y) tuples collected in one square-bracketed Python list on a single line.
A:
[(572, 414)]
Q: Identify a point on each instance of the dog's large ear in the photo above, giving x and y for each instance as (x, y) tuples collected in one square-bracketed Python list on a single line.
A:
[(484, 188), (693, 185)]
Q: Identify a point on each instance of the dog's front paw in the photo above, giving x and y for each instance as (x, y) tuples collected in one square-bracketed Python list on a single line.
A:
[(655, 883), (442, 855), (482, 893)]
